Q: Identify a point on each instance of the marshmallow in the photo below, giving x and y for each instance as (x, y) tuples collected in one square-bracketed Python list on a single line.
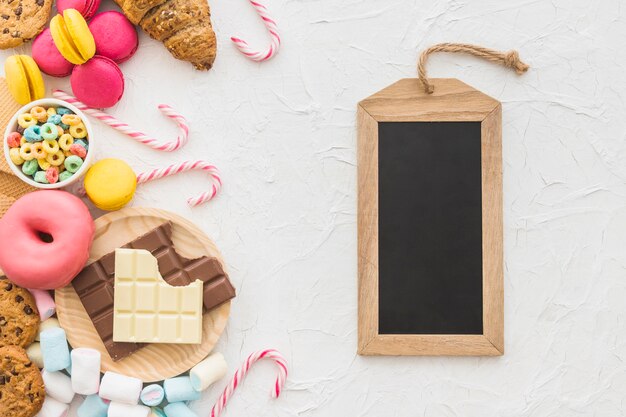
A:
[(178, 410), (180, 389), (45, 325), (44, 302), (85, 371), (120, 388), (58, 386), (126, 410), (152, 395), (34, 354), (53, 408), (56, 353), (93, 406), (211, 369), (157, 412)]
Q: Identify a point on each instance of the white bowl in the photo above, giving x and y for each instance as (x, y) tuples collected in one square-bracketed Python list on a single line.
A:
[(12, 127)]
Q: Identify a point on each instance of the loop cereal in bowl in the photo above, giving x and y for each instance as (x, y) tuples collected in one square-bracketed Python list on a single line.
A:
[(48, 143)]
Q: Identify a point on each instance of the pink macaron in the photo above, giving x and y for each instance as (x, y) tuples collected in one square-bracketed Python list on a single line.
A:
[(85, 7), (116, 38), (98, 83), (48, 57)]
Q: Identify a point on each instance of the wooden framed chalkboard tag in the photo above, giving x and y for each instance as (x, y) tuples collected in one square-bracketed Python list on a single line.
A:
[(430, 216)]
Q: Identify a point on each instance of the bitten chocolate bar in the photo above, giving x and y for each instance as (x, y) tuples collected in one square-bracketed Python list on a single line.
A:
[(94, 284)]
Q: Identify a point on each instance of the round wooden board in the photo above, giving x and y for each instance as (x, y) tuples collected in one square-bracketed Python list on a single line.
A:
[(154, 362)]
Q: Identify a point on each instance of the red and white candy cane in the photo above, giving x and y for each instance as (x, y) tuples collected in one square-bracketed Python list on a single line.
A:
[(216, 181), (281, 364), (167, 111), (270, 24)]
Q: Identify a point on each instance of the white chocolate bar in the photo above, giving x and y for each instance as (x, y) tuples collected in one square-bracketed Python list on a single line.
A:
[(146, 309)]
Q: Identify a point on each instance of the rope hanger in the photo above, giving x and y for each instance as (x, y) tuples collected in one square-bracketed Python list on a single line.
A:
[(508, 59)]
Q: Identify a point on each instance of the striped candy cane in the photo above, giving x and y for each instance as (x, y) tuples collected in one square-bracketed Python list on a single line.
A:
[(270, 24), (241, 373), (216, 181), (170, 146)]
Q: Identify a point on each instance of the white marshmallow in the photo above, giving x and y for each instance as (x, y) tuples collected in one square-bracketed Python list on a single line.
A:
[(58, 386), (35, 355), (53, 408), (85, 371), (125, 410), (120, 388), (47, 324), (211, 369)]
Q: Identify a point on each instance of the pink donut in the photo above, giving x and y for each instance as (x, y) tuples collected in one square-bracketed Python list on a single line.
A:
[(46, 236)]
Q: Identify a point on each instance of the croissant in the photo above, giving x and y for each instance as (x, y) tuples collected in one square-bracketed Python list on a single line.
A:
[(184, 27)]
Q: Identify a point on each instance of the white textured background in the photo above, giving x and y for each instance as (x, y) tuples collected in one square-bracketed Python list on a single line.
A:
[(283, 134)]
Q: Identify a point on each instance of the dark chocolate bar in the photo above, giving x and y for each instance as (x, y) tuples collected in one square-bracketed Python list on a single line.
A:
[(94, 284)]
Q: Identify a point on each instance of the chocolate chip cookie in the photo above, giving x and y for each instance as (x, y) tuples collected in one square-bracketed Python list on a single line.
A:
[(22, 20), (21, 386), (19, 318)]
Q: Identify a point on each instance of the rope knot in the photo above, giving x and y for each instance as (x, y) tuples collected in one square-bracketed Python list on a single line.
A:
[(512, 60)]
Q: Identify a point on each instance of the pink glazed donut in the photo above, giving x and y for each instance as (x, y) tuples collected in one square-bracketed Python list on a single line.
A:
[(45, 238)]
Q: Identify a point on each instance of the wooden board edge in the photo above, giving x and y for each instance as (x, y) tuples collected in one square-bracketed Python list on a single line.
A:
[(406, 101), (430, 345), (492, 202), (367, 227)]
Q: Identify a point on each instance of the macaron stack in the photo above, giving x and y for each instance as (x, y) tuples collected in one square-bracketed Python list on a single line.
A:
[(90, 53)]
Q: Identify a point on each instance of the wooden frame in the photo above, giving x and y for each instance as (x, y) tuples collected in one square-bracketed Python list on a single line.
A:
[(406, 101)]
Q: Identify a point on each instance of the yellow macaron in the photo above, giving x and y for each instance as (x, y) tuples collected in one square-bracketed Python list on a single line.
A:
[(24, 79), (110, 184), (72, 37)]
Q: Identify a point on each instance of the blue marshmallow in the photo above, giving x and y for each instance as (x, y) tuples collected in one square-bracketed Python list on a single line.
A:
[(180, 389), (152, 395), (178, 410), (54, 348), (157, 412), (93, 406)]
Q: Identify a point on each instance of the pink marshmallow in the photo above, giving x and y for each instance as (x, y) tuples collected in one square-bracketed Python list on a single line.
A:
[(45, 303)]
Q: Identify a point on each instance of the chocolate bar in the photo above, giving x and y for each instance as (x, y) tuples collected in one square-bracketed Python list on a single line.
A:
[(95, 283)]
